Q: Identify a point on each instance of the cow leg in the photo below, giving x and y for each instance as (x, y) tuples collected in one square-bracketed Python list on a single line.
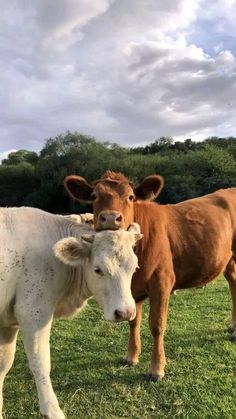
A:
[(134, 346), (36, 334), (230, 275), (8, 337), (159, 295)]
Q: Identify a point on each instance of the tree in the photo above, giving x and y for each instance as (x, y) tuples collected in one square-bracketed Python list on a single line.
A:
[(189, 168), (21, 156), (16, 183)]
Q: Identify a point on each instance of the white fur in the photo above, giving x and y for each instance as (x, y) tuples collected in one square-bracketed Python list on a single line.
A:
[(35, 286), (86, 218)]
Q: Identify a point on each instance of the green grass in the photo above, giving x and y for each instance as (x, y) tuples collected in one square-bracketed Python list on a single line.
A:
[(90, 382)]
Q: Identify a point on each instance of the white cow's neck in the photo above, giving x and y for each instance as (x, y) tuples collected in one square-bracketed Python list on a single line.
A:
[(77, 291)]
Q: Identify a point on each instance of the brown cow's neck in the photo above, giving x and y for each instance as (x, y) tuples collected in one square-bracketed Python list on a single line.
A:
[(146, 213), (152, 220)]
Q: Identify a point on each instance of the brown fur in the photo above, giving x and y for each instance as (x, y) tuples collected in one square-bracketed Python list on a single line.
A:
[(117, 177), (184, 245)]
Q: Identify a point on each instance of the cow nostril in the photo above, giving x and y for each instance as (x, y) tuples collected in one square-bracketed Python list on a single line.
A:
[(102, 218), (119, 218), (119, 315)]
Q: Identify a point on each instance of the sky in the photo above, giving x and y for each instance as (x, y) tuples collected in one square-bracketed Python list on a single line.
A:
[(126, 71)]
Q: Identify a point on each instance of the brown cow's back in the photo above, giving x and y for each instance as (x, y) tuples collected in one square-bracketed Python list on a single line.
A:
[(193, 237)]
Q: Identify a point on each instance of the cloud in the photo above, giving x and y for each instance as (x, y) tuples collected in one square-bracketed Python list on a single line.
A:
[(121, 71)]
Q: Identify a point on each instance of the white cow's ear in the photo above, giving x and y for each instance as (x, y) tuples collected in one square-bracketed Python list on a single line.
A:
[(71, 250), (134, 228), (87, 238), (87, 218)]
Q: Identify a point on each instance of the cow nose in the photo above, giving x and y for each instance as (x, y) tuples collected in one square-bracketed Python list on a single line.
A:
[(110, 219), (121, 315)]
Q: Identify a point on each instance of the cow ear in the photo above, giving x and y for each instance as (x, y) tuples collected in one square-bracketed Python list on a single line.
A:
[(87, 218), (150, 188), (134, 228), (78, 188), (71, 250), (87, 238)]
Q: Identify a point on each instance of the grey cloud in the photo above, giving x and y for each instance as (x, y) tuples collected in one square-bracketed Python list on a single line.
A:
[(112, 69)]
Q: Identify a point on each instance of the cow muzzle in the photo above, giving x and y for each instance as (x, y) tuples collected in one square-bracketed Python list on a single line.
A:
[(110, 220), (122, 315)]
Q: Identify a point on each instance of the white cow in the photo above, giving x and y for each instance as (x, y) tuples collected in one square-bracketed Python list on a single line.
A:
[(35, 286), (86, 218)]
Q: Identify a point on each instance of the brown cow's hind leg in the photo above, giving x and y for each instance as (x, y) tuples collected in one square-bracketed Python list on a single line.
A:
[(230, 275), (134, 346)]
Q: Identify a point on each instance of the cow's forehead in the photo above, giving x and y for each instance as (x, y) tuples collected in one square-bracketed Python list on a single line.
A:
[(113, 250), (114, 242), (112, 187)]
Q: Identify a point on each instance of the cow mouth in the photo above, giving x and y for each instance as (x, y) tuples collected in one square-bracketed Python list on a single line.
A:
[(109, 227)]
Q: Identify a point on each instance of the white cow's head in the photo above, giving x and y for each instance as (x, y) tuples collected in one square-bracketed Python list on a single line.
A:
[(111, 263)]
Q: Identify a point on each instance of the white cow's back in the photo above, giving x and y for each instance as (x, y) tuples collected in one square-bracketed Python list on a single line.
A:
[(28, 266)]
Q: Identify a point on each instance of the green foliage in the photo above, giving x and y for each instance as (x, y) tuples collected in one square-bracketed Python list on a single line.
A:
[(190, 169), (196, 173), (16, 183), (21, 156), (71, 153)]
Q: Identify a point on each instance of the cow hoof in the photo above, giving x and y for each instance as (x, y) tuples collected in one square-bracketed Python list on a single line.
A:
[(127, 363), (232, 338), (153, 378), (231, 329)]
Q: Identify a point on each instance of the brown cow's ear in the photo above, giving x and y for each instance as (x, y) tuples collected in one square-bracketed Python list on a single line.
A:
[(150, 188), (78, 188)]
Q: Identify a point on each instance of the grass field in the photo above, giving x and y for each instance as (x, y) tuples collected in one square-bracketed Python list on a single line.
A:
[(90, 382)]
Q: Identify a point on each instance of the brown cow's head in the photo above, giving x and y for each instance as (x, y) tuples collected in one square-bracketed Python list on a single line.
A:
[(113, 197)]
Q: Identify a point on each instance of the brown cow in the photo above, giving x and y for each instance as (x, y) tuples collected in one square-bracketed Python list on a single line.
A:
[(184, 245)]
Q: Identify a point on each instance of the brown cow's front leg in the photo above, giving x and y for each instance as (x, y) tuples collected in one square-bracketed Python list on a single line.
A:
[(159, 294), (134, 346)]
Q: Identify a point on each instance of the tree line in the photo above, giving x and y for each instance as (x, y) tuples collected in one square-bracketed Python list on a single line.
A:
[(189, 168)]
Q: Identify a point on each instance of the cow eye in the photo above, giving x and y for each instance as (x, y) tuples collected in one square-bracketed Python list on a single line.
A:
[(131, 198), (98, 271), (93, 196)]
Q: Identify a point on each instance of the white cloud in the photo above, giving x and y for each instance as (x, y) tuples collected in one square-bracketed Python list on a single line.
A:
[(121, 71), (225, 58), (61, 26)]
